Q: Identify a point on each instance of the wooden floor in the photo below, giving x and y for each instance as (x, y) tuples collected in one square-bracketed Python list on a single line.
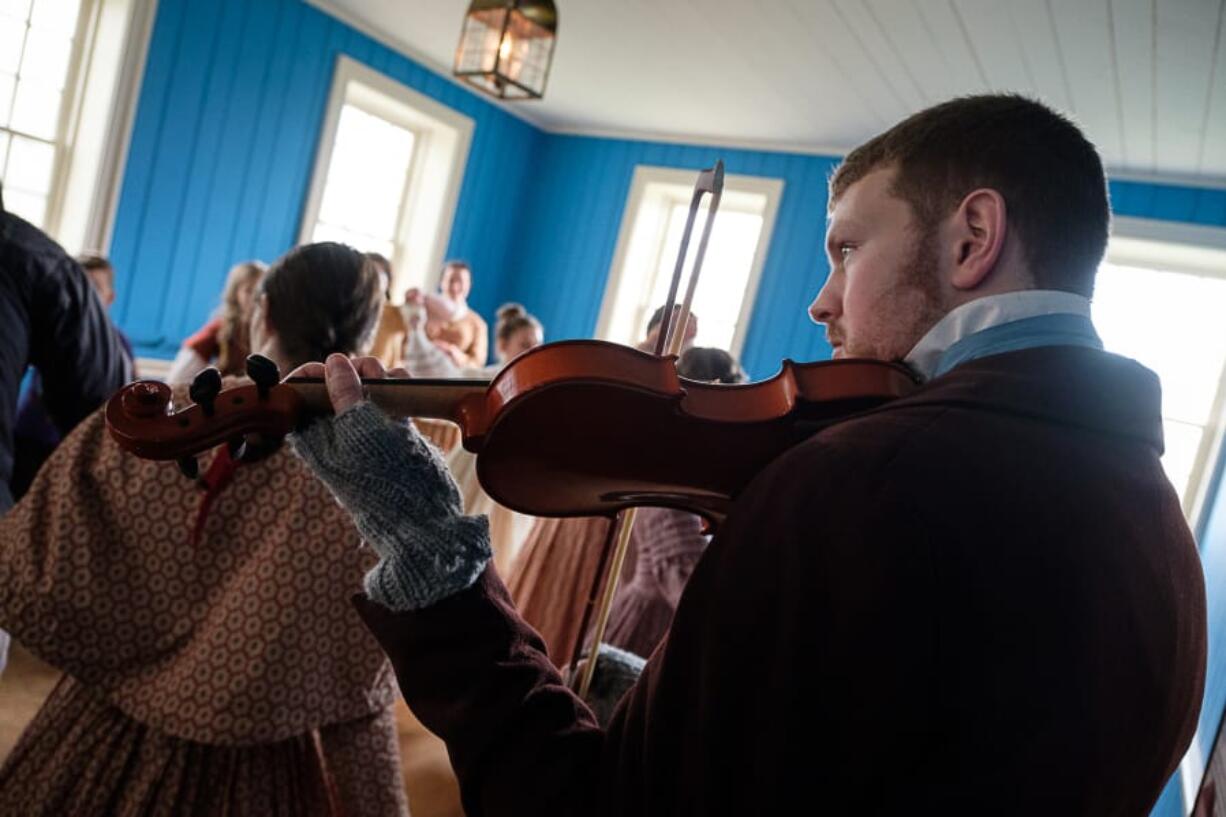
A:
[(428, 779)]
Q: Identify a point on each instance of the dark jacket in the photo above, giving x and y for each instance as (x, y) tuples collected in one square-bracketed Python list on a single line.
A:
[(980, 599), (51, 318)]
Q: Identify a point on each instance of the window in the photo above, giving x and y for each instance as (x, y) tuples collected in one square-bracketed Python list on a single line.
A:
[(388, 172), (647, 248), (69, 78), (1161, 303), (39, 55)]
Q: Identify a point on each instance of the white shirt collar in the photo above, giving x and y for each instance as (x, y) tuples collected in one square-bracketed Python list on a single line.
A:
[(986, 312)]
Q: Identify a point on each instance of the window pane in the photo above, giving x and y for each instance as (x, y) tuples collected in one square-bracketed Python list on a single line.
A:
[(36, 109), (7, 87), (4, 152), (27, 205), (725, 271), (367, 175), (363, 243), (29, 166), (1171, 323), (12, 34), (46, 57), (14, 8), (60, 15)]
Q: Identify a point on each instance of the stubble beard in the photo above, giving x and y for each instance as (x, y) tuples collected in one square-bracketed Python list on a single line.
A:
[(914, 307)]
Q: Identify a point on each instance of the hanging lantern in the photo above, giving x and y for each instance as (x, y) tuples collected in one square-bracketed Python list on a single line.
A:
[(506, 47)]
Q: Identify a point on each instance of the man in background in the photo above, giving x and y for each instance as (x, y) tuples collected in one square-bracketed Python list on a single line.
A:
[(35, 434), (52, 319)]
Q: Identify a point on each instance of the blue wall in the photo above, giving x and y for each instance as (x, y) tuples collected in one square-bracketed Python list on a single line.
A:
[(224, 144), (1168, 202)]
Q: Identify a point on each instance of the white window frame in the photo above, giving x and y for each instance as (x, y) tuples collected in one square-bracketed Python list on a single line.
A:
[(648, 175), (1193, 250), (99, 124), (97, 110), (442, 137)]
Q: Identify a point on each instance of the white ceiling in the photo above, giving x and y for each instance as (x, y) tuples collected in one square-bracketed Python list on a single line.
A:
[(1145, 78)]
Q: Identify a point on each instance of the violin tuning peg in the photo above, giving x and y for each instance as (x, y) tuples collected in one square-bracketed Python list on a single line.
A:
[(205, 388), (264, 372), (237, 448), (189, 467)]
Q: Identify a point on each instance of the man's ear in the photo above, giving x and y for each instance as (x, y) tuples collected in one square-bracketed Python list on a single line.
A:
[(978, 234)]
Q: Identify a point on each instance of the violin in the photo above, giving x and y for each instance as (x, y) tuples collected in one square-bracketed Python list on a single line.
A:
[(572, 428)]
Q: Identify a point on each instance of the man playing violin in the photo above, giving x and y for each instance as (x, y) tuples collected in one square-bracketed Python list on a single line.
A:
[(981, 598)]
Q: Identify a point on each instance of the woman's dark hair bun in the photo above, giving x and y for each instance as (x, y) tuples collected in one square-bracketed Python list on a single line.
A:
[(512, 310)]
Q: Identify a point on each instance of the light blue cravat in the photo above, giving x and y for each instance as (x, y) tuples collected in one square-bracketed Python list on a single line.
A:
[(1061, 329)]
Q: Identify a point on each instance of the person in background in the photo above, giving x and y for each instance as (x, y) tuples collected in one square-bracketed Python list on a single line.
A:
[(223, 341), (463, 336), (35, 435), (515, 332), (710, 365), (556, 566), (389, 337), (213, 663), (648, 344), (51, 319), (448, 337)]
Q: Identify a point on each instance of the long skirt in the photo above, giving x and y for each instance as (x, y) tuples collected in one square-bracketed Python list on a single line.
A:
[(82, 756), (444, 435), (551, 581), (508, 529)]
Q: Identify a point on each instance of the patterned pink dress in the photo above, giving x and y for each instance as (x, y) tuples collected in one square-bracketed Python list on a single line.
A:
[(226, 676)]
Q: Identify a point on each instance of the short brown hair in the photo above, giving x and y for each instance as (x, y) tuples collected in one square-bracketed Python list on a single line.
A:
[(322, 298), (1049, 174), (94, 262)]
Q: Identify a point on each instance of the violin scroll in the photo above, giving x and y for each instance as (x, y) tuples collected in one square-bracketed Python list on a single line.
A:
[(140, 418)]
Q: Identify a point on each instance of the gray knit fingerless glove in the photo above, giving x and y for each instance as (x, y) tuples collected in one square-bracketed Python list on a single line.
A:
[(404, 502)]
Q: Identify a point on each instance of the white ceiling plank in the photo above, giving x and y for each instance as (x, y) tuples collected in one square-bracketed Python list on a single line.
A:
[(1084, 35), (1133, 30), (1186, 34), (946, 29), (820, 23), (1212, 159), (874, 41), (995, 44), (808, 89), (1035, 29), (907, 30)]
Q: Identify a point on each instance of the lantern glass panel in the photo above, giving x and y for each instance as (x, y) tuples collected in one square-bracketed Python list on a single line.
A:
[(525, 50), (478, 51)]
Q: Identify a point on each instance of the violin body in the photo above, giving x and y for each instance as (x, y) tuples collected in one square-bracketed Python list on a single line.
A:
[(588, 428), (574, 428)]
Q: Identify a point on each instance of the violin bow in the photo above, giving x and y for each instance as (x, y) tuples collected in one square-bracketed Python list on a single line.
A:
[(672, 336)]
